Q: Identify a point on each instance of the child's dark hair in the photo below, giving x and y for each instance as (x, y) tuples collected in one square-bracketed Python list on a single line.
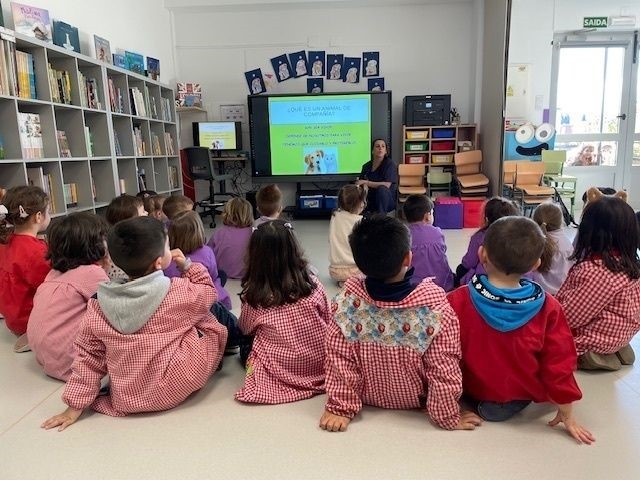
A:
[(276, 268), (514, 244), (186, 232), (549, 217), (609, 228), (146, 193), (498, 207), (352, 197), (134, 244), (176, 204), (379, 245), (416, 207), (123, 207), (237, 212), (153, 203), (21, 202), (269, 200), (77, 239)]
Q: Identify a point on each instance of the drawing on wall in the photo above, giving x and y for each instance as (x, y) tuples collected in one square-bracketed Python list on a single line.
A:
[(298, 62), (518, 93), (334, 66), (255, 82), (316, 63), (375, 84), (351, 70), (281, 67), (315, 85), (370, 64)]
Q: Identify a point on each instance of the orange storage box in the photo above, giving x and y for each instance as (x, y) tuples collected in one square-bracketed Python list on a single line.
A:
[(472, 209)]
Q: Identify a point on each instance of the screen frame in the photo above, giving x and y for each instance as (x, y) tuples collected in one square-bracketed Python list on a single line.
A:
[(238, 132), (255, 125)]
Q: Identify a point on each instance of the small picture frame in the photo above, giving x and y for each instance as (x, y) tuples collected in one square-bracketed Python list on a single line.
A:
[(370, 64), (334, 66), (315, 85), (351, 70), (255, 82), (281, 67), (299, 65), (316, 63)]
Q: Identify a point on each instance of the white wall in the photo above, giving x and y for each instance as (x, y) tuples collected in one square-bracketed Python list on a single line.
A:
[(141, 26)]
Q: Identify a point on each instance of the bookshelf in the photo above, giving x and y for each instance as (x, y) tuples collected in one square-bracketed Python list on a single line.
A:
[(435, 146), (82, 129)]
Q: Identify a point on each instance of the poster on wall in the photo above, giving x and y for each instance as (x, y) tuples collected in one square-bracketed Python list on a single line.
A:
[(351, 70), (281, 67), (375, 84), (316, 63), (370, 64), (255, 82), (315, 85), (298, 62), (518, 96), (334, 66)]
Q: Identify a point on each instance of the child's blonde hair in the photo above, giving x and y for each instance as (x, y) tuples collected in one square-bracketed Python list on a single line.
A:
[(237, 212), (269, 200), (20, 203), (186, 231), (176, 204), (352, 198), (153, 204), (549, 217)]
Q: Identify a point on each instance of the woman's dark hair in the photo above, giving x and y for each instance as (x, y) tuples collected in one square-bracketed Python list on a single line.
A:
[(498, 207), (386, 145), (31, 199), (549, 217), (276, 268), (609, 229), (123, 207), (77, 239)]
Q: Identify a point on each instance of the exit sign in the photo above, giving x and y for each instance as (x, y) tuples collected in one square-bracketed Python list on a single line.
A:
[(594, 22)]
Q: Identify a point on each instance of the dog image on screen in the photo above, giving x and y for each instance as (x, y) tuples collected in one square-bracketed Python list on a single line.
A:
[(352, 75), (371, 70), (320, 160), (316, 68), (283, 71), (334, 74)]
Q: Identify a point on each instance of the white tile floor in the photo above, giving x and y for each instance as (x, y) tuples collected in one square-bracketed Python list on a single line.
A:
[(212, 436)]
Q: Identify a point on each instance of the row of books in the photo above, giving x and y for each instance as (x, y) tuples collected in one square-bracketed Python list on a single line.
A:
[(26, 77), (116, 101), (139, 145), (8, 75), (63, 143), (60, 83), (36, 177), (70, 192), (139, 102), (89, 92), (173, 177), (30, 132), (168, 143)]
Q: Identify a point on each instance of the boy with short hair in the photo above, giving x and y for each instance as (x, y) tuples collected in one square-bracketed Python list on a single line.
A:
[(174, 204), (532, 355), (391, 344), (268, 203), (154, 336), (427, 243)]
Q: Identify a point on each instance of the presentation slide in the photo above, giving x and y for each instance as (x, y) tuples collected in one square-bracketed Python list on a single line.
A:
[(218, 136), (319, 135)]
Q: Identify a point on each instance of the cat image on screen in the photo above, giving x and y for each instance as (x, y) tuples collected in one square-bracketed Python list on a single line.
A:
[(320, 160)]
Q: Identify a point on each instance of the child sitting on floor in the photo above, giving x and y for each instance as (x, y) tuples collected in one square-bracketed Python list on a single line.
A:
[(154, 336), (516, 345), (427, 243), (79, 260), (24, 212), (268, 203), (391, 344), (175, 204), (122, 208), (153, 205)]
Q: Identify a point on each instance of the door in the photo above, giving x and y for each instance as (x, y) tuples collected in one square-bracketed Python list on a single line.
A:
[(593, 107)]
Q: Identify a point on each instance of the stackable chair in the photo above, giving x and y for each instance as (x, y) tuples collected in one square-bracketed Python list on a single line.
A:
[(528, 189), (564, 185), (410, 181), (469, 177), (438, 181)]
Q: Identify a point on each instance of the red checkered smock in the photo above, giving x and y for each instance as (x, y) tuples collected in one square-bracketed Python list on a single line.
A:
[(394, 354), (602, 307), (287, 357), (160, 365)]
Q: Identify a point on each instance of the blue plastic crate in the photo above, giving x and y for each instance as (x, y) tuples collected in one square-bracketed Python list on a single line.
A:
[(310, 201)]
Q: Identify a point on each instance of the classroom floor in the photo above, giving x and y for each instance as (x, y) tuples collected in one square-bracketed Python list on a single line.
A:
[(213, 436)]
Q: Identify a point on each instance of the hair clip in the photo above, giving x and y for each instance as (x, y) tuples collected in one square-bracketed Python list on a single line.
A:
[(23, 212), (288, 225), (3, 212), (253, 229)]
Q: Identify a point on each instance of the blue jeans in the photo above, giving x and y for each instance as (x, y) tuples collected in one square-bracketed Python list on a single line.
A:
[(380, 200), (499, 412), (229, 320)]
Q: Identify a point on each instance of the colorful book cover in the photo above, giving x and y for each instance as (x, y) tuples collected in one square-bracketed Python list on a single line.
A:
[(31, 21), (119, 60), (135, 62), (315, 85), (65, 35), (370, 64), (153, 68), (375, 84), (351, 70), (103, 49), (255, 82), (281, 67), (315, 60), (334, 66), (298, 62)]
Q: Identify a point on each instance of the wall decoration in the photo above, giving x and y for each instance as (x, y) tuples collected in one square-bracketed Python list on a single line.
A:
[(103, 49), (316, 63), (298, 62), (351, 70), (370, 64), (255, 82), (281, 67), (315, 85), (334, 66), (375, 84)]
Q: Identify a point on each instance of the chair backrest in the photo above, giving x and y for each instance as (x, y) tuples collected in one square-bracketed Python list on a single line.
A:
[(411, 174), (468, 163), (509, 172), (199, 163), (554, 161), (529, 173), (438, 178)]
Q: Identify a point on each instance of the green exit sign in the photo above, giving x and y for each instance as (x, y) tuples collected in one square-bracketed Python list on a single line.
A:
[(594, 22)]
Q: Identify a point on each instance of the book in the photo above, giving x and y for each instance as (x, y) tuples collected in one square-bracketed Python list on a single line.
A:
[(30, 134), (173, 177), (65, 35), (103, 49), (63, 143), (70, 191), (88, 137), (189, 94), (50, 192), (119, 60), (35, 178), (153, 68), (134, 62), (31, 21)]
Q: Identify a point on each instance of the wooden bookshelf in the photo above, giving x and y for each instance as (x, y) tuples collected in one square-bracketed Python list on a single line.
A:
[(101, 102), (435, 146)]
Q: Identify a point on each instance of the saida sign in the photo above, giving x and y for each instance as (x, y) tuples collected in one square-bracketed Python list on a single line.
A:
[(594, 22)]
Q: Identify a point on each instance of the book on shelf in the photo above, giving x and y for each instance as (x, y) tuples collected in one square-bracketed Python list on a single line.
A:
[(137, 102), (189, 94), (123, 185), (116, 102), (135, 62), (60, 83), (63, 143), (89, 92), (142, 180), (36, 178), (173, 177), (119, 60), (94, 192), (138, 143), (103, 49), (50, 191), (30, 133), (155, 144), (167, 109), (31, 21), (65, 35), (24, 74), (88, 137), (168, 143), (153, 68), (8, 75), (116, 142), (70, 191)]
